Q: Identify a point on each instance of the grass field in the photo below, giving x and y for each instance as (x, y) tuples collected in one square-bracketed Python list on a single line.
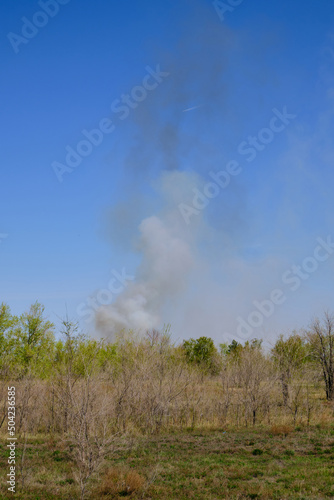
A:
[(277, 463)]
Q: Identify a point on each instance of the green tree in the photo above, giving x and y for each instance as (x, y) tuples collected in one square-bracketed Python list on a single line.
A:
[(202, 352), (254, 344), (7, 324), (288, 356), (31, 341), (234, 348)]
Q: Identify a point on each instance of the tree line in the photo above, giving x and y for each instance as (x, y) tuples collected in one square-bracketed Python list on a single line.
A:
[(28, 344)]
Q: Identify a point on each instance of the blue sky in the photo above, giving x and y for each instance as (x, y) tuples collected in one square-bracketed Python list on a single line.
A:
[(64, 238)]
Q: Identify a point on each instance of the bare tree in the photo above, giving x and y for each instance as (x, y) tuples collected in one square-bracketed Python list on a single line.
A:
[(321, 343), (225, 401), (254, 380), (89, 433)]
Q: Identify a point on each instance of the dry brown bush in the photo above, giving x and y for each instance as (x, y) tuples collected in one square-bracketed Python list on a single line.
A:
[(120, 481), (281, 430)]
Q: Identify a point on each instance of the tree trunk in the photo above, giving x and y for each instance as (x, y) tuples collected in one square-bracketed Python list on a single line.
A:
[(285, 392), (330, 389)]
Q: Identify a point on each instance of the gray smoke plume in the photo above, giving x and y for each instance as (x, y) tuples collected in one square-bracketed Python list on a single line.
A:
[(198, 277), (169, 151), (167, 260)]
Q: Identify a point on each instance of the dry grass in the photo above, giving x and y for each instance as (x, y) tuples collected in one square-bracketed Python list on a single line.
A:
[(120, 481), (199, 465), (281, 430)]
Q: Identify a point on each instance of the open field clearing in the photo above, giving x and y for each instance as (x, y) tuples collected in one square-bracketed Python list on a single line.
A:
[(277, 463)]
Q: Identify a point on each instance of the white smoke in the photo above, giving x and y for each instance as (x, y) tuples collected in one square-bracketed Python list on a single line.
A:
[(166, 263)]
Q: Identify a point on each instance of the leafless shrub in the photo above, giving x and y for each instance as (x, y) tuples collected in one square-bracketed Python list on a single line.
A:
[(321, 341), (254, 381), (89, 436)]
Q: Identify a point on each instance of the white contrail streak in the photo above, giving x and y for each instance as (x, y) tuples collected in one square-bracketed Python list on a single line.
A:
[(190, 109)]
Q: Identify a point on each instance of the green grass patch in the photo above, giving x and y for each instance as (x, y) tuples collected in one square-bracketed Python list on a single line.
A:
[(206, 465)]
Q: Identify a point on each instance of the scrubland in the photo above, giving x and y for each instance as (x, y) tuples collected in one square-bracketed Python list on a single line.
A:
[(140, 417)]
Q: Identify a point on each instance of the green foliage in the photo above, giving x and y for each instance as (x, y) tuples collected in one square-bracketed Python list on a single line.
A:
[(234, 348), (77, 354), (254, 344), (223, 349), (230, 353), (202, 352), (289, 354), (7, 321), (28, 345), (7, 324), (28, 341)]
